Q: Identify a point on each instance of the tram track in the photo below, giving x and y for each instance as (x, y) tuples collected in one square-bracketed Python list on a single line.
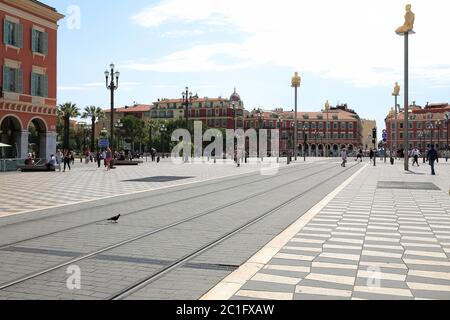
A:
[(179, 222), (189, 198), (167, 269)]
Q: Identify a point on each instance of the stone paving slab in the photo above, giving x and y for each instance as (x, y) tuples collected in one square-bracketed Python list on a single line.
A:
[(367, 243)]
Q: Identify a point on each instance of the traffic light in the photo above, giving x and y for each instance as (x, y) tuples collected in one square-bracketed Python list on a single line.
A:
[(374, 133)]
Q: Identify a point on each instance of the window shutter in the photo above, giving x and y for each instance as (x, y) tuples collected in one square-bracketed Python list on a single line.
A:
[(44, 79), (19, 80), (33, 40), (19, 35), (5, 31), (45, 43), (33, 84), (5, 78)]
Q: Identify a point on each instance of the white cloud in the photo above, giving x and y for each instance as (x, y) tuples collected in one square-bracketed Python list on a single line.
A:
[(351, 40)]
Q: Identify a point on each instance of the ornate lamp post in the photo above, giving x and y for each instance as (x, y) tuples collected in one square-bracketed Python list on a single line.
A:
[(118, 126), (396, 93), (296, 81), (112, 86), (187, 100), (327, 109), (438, 125), (447, 116), (259, 116), (280, 122), (405, 30)]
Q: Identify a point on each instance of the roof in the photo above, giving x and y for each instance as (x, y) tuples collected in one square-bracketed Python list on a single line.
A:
[(43, 5), (193, 100), (132, 109), (289, 115)]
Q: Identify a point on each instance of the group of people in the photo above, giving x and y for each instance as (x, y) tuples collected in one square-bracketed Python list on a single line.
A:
[(432, 157)]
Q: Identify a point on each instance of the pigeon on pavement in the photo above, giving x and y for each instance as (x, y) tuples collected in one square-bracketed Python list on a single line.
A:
[(114, 219)]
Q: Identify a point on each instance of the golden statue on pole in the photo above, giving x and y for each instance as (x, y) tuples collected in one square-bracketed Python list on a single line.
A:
[(396, 92), (409, 21), (296, 80)]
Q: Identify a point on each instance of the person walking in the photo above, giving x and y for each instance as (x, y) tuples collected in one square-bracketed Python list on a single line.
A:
[(108, 159), (67, 159), (432, 157), (98, 158), (359, 155), (59, 159), (371, 154), (344, 157), (415, 155)]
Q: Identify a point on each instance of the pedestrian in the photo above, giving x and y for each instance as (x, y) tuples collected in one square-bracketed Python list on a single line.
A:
[(67, 159), (59, 159), (359, 155), (108, 159), (344, 157), (415, 155), (51, 164), (98, 157), (72, 157), (371, 154), (432, 157)]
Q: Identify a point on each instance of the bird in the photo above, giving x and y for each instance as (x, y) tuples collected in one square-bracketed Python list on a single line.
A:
[(114, 219)]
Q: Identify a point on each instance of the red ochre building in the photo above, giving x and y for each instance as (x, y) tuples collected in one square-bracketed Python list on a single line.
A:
[(427, 125), (28, 60), (324, 131)]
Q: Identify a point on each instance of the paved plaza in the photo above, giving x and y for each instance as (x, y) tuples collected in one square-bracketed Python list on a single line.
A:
[(314, 230), (25, 192), (384, 236)]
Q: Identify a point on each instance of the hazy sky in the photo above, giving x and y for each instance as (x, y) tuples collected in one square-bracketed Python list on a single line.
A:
[(346, 51)]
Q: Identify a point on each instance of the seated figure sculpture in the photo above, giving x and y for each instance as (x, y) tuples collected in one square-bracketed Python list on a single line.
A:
[(409, 21)]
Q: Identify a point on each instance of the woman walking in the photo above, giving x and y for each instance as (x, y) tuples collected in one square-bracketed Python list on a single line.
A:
[(108, 159), (67, 159)]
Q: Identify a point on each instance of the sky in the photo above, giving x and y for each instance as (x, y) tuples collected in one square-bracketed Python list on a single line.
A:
[(345, 51)]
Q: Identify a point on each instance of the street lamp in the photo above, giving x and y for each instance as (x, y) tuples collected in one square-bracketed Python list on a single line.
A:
[(447, 116), (259, 115), (187, 99), (163, 130), (438, 125), (280, 122), (112, 86), (296, 81), (327, 109), (118, 126), (421, 135), (396, 93)]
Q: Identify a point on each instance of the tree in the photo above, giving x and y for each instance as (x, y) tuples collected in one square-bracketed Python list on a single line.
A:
[(66, 111), (95, 113), (132, 128)]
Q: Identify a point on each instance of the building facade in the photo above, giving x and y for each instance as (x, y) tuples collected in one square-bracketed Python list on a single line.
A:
[(28, 60), (427, 125), (318, 133), (213, 112)]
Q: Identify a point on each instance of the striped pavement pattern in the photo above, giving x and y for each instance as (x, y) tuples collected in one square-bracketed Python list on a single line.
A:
[(367, 243)]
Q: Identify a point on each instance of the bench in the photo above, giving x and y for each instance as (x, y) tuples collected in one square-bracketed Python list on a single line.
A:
[(36, 168)]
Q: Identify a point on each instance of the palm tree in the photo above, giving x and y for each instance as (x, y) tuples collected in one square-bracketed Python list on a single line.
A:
[(95, 113), (66, 111)]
